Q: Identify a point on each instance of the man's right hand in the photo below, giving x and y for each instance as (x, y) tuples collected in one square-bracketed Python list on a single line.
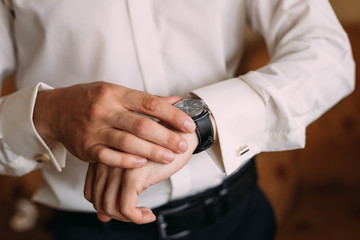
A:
[(99, 122)]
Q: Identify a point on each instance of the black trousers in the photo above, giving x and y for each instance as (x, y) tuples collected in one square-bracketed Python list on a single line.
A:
[(252, 218)]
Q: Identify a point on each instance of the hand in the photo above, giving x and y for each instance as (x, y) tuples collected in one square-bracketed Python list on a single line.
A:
[(114, 192), (98, 122)]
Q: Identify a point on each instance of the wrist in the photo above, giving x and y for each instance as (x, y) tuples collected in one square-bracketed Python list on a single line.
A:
[(44, 118), (201, 115)]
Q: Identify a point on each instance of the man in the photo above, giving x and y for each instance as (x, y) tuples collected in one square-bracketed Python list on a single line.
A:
[(142, 170)]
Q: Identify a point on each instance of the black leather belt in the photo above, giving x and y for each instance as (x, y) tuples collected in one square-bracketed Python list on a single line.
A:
[(179, 218)]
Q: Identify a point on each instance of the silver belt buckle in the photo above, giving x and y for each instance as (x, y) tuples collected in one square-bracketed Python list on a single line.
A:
[(162, 224)]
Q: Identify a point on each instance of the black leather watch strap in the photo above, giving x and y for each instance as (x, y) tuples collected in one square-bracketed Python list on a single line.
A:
[(204, 130)]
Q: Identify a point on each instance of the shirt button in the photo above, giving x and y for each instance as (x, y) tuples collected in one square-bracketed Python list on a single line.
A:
[(42, 158)]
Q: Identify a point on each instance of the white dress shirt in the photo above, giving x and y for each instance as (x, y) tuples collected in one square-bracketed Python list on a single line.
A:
[(169, 47)]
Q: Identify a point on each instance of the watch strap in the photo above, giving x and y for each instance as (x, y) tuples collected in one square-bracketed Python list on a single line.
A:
[(204, 130)]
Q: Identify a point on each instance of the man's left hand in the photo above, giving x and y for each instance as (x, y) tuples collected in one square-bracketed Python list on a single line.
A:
[(114, 191)]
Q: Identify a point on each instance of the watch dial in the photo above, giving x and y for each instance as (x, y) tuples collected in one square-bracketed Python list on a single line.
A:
[(192, 107)]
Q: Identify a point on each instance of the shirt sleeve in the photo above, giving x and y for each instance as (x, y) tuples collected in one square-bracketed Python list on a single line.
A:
[(311, 69), (21, 148), (7, 51)]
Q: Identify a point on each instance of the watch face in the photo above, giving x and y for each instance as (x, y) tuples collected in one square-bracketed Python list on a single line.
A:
[(192, 107)]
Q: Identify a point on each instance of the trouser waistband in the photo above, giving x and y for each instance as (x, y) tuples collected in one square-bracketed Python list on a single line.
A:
[(178, 218)]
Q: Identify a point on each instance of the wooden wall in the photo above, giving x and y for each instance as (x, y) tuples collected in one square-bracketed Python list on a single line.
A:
[(316, 191)]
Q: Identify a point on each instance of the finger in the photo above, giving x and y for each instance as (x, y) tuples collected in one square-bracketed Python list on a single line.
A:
[(132, 144), (156, 107), (140, 215), (99, 184), (114, 158), (128, 202), (112, 193), (171, 99), (147, 215), (103, 218), (89, 181), (150, 130)]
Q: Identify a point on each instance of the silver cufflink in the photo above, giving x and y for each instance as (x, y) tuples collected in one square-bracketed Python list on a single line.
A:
[(243, 149), (42, 158)]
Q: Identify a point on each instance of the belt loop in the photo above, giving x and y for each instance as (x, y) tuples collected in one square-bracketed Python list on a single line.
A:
[(224, 193), (213, 208)]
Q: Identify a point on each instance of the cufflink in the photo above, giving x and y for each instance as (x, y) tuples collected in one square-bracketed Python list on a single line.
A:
[(243, 149), (42, 158)]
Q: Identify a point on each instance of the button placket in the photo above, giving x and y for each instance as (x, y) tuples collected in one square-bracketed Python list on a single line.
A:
[(147, 43)]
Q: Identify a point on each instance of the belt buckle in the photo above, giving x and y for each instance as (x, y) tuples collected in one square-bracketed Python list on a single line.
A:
[(162, 224)]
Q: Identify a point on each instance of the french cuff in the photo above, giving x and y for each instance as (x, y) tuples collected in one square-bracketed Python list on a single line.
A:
[(18, 130), (239, 113)]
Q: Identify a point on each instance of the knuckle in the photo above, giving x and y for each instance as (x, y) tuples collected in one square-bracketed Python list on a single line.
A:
[(87, 196), (133, 216), (108, 209), (127, 161), (95, 111), (123, 141), (142, 126), (101, 172), (124, 210), (99, 94), (97, 206), (103, 90), (100, 154), (173, 141), (156, 152), (151, 103)]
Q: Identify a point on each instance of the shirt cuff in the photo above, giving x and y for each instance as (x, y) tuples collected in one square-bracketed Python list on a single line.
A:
[(18, 130), (239, 113)]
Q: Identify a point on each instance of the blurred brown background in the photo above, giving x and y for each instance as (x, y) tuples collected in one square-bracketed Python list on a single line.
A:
[(315, 191)]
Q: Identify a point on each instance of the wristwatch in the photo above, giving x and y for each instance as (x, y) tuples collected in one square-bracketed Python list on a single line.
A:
[(200, 113)]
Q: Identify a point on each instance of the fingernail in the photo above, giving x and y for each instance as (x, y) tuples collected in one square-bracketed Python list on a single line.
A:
[(140, 162), (169, 156), (183, 146), (148, 217), (189, 126)]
